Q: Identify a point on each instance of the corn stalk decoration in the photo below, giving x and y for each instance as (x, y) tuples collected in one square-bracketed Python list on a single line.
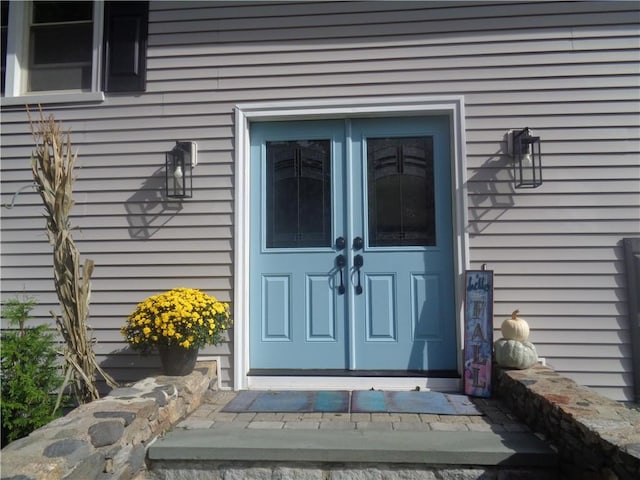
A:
[(52, 164)]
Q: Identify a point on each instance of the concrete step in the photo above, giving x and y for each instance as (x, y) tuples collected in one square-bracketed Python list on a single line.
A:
[(253, 453)]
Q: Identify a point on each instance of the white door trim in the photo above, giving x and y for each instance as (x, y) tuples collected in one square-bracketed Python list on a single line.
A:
[(342, 108)]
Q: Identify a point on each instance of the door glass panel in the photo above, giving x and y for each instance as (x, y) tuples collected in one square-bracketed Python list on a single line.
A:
[(401, 191), (298, 194)]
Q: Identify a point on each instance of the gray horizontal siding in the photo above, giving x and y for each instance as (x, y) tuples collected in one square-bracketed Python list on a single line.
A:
[(568, 70)]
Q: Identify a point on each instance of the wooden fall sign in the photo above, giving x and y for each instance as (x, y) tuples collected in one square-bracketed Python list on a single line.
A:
[(478, 332)]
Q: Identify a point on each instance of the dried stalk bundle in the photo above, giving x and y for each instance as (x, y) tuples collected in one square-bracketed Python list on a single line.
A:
[(52, 163)]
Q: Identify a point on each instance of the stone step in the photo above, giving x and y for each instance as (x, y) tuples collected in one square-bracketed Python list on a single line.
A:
[(250, 453)]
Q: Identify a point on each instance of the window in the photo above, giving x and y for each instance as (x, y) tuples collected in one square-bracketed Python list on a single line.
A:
[(400, 182), (73, 47), (298, 194), (60, 46)]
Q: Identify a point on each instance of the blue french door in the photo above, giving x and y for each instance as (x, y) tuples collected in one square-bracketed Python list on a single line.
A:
[(351, 251)]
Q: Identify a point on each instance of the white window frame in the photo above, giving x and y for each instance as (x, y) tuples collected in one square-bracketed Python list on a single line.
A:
[(17, 60)]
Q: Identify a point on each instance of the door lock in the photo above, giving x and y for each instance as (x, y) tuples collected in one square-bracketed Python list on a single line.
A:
[(340, 243), (358, 243)]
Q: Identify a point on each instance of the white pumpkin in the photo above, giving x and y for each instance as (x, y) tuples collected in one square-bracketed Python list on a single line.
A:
[(515, 328), (515, 354)]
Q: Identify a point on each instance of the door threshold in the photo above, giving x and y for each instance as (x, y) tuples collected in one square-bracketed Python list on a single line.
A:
[(300, 380)]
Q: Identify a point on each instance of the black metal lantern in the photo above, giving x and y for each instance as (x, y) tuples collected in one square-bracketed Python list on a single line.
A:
[(179, 170), (527, 161)]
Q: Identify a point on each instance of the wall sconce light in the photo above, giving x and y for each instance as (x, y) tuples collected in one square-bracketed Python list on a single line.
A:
[(527, 160), (179, 170)]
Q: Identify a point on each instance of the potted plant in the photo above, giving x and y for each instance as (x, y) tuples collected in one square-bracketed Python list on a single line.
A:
[(178, 323)]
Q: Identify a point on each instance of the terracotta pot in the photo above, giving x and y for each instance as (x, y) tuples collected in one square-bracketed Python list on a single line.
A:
[(177, 361)]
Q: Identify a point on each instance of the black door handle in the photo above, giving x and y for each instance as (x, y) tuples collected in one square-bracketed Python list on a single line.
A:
[(358, 262), (340, 263)]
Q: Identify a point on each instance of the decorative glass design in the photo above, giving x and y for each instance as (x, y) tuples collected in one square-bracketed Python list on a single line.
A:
[(400, 182), (298, 194)]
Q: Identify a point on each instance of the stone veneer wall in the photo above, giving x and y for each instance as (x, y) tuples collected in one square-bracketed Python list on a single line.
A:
[(107, 439), (597, 438)]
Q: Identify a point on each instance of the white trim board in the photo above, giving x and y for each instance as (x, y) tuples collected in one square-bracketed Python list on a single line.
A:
[(354, 383), (342, 108)]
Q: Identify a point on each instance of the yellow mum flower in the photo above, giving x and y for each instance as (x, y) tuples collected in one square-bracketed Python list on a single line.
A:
[(183, 316)]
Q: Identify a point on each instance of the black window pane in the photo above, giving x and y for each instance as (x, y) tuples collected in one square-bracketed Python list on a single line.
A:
[(298, 197), (70, 77), (62, 44), (401, 192), (50, 12)]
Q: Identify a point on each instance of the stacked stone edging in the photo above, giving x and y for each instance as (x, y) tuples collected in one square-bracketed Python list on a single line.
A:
[(107, 439), (597, 438)]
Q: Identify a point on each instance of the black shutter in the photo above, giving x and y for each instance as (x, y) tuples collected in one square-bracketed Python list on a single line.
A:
[(125, 46)]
